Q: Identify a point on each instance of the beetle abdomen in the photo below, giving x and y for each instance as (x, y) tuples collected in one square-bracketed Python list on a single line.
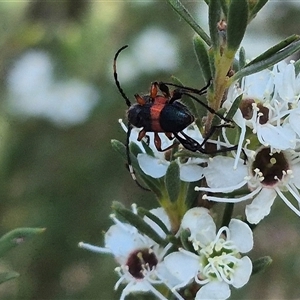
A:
[(175, 117)]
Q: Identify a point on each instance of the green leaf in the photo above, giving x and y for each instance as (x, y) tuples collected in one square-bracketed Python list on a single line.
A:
[(144, 212), (259, 65), (256, 8), (191, 195), (214, 16), (297, 67), (5, 276), (137, 222), (225, 5), (236, 24), (147, 149), (261, 264), (227, 214), (172, 181), (202, 57), (184, 238), (274, 50), (234, 107), (17, 237), (182, 11), (154, 184), (242, 58)]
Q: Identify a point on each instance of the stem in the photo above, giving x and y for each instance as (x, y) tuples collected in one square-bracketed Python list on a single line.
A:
[(227, 214), (222, 65)]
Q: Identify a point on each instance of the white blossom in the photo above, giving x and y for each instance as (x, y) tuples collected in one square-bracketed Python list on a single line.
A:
[(216, 262), (264, 107), (140, 259), (266, 174)]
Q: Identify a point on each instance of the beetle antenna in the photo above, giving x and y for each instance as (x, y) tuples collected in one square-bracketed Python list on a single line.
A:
[(130, 167), (116, 76)]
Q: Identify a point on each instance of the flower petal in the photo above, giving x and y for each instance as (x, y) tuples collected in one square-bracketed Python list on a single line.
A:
[(122, 240), (278, 137), (183, 266), (242, 272), (201, 226), (241, 235), (260, 206), (296, 175), (190, 172), (220, 173), (294, 120), (214, 290), (152, 166), (135, 287)]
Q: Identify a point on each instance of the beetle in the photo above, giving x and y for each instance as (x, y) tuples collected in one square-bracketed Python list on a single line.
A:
[(161, 112)]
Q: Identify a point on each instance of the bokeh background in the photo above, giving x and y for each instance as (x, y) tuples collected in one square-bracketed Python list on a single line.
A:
[(59, 111)]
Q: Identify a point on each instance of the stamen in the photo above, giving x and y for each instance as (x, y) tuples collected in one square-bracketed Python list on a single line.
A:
[(222, 189), (93, 248), (234, 200), (123, 125)]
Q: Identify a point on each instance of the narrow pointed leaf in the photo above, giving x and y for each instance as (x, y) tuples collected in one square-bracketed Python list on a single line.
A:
[(202, 57), (257, 7), (182, 11), (144, 212), (214, 11), (137, 222), (147, 149), (252, 68), (274, 50), (236, 24), (297, 67), (234, 107), (153, 184), (16, 237), (242, 58), (184, 238), (172, 181), (5, 276), (261, 264), (225, 5), (192, 195)]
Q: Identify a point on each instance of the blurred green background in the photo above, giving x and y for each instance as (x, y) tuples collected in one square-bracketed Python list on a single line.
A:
[(59, 111)]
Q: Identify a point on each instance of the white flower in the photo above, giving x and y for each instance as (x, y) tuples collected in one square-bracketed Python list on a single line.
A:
[(140, 258), (262, 110), (217, 262), (267, 175), (156, 166)]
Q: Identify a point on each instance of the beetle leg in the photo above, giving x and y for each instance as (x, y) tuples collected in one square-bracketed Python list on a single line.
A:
[(153, 90), (141, 135), (165, 90), (157, 141), (169, 135), (140, 100)]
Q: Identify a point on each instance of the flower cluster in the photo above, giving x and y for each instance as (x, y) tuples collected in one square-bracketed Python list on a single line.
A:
[(268, 109), (244, 147), (213, 261)]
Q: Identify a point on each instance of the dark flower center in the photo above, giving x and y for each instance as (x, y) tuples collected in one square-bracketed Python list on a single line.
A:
[(272, 166), (246, 108), (140, 260)]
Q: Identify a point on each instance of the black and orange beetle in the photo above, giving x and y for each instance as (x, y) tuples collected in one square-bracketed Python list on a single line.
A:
[(162, 113)]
